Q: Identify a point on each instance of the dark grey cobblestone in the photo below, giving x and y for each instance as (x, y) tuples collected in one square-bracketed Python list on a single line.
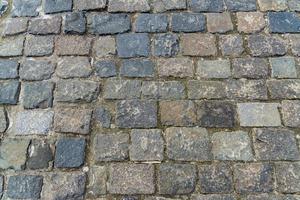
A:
[(55, 6), (8, 69), (39, 45), (25, 8), (75, 23), (9, 92), (137, 68), (43, 26), (36, 70), (40, 154), (151, 23), (105, 69), (187, 22)]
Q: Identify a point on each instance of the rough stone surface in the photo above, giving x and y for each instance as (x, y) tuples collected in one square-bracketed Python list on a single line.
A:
[(219, 22), (272, 5), (291, 113), (190, 144), (214, 197), (151, 23), (232, 146), (176, 178), (250, 22), (284, 89), (12, 46), (206, 89), (39, 45), (15, 26), (231, 45), (9, 92), (111, 147), (198, 45), (133, 45), (283, 67), (131, 179), (206, 5), (72, 121), (8, 69), (122, 89), (55, 6), (213, 69), (250, 68), (73, 67), (146, 145), (137, 68), (188, 22), (73, 45), (89, 4), (104, 46), (45, 25), (25, 8), (128, 6), (102, 116), (166, 45), (75, 23), (97, 183), (175, 67), (40, 154), (3, 120), (165, 5), (36, 70), (288, 177), (284, 22), (241, 5), (105, 68)]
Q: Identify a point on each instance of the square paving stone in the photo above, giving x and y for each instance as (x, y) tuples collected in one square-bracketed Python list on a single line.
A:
[(151, 23), (232, 146), (39, 45), (70, 153), (194, 44), (188, 22), (146, 145), (55, 6), (68, 120), (166, 45), (136, 114), (25, 8), (133, 45), (89, 4), (69, 185), (104, 46), (73, 45), (74, 23), (9, 92), (13, 153), (175, 67), (128, 6), (291, 113), (3, 120), (259, 114), (24, 186), (13, 26), (74, 91), (137, 68), (206, 5), (127, 178), (45, 25), (254, 178), (231, 45), (175, 179), (216, 114), (177, 113), (215, 178), (97, 181), (122, 89), (73, 67), (111, 147), (36, 69), (275, 144), (283, 67), (12, 46), (38, 94), (33, 122), (213, 197), (288, 177), (187, 144), (105, 68), (40, 154), (102, 116), (8, 68)]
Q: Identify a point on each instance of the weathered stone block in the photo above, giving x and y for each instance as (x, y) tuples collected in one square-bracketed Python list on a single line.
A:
[(219, 22), (175, 67), (198, 44), (213, 69), (250, 22), (231, 45), (122, 89), (188, 22), (264, 46), (188, 144), (55, 6), (131, 179), (39, 155), (64, 185), (215, 178), (73, 45), (272, 5), (216, 114), (102, 116), (24, 186), (70, 153), (232, 146), (72, 121), (284, 22), (128, 6), (25, 8), (176, 178), (170, 90), (136, 114), (89, 4), (104, 46), (206, 89), (284, 89), (111, 147), (294, 41), (275, 144), (253, 178), (13, 153), (9, 92), (288, 177), (259, 114), (97, 181), (45, 25), (241, 5), (108, 23), (12, 46), (146, 145), (133, 45), (283, 67), (38, 94), (76, 91), (3, 120), (294, 5), (15, 26), (250, 68), (105, 68), (73, 67), (33, 122), (165, 5), (151, 23), (213, 197), (74, 23), (206, 5), (247, 89), (177, 113), (8, 69), (291, 113), (166, 45), (39, 45), (137, 68), (36, 70)]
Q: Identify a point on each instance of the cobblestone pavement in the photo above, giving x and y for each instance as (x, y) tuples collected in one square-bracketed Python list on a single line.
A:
[(150, 100)]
